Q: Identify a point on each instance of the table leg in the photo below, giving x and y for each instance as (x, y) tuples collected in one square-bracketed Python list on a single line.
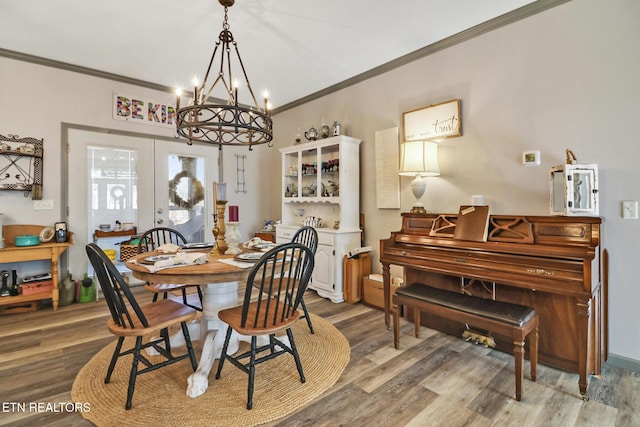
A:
[(217, 296)]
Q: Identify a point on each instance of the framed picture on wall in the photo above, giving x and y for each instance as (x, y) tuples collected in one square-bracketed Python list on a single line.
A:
[(435, 122)]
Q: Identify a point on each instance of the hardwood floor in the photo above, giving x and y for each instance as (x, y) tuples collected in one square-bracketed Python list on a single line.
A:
[(435, 380)]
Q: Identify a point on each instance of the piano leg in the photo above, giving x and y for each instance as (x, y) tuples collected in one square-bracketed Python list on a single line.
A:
[(583, 312), (386, 279)]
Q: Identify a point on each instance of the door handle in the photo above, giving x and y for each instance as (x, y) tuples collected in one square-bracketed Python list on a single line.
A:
[(160, 211), (160, 221)]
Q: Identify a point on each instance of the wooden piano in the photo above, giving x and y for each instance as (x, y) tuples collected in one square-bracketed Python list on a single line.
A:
[(550, 263)]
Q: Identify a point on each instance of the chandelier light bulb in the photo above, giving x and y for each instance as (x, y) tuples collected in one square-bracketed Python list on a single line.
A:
[(178, 95)]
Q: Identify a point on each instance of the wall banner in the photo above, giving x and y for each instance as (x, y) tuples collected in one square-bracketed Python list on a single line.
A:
[(146, 111)]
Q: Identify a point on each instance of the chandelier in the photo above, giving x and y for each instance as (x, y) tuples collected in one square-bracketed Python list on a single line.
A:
[(224, 122)]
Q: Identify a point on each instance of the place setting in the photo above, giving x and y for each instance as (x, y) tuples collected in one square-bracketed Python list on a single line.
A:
[(170, 255), (258, 244)]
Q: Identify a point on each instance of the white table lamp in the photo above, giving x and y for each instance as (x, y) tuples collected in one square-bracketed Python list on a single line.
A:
[(419, 159)]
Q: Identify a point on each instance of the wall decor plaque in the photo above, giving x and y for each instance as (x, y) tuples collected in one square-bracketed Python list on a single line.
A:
[(435, 122)]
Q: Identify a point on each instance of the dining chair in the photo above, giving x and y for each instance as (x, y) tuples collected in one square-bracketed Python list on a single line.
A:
[(144, 322), (283, 274), (308, 236), (152, 239)]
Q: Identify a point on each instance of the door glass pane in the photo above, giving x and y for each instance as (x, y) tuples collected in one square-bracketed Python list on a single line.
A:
[(113, 182), (186, 196)]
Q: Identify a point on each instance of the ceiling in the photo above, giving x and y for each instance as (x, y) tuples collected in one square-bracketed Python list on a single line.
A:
[(293, 48)]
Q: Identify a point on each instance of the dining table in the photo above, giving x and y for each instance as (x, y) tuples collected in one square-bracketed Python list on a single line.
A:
[(219, 276)]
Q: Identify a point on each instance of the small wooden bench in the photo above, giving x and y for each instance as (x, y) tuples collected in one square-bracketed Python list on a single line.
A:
[(499, 317)]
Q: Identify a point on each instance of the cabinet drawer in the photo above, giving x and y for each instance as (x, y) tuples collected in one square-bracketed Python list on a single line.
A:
[(325, 239), (284, 234)]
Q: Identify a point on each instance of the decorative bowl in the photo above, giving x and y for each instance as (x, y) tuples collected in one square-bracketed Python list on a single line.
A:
[(110, 253), (27, 240)]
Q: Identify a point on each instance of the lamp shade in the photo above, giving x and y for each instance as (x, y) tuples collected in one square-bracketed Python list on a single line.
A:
[(419, 158)]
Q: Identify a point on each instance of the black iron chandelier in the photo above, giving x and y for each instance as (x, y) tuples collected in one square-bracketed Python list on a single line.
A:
[(224, 123)]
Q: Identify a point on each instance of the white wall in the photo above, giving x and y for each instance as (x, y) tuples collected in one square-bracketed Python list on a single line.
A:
[(565, 78)]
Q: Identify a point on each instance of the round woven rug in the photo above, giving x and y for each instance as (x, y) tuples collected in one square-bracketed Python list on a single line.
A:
[(160, 396)]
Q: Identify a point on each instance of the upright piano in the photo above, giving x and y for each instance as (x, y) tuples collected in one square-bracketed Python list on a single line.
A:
[(550, 263)]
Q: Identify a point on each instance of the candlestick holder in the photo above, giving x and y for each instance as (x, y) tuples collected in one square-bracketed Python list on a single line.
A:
[(233, 238), (215, 231), (221, 206)]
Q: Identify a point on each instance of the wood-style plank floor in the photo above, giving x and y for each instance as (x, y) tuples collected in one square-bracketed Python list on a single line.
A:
[(435, 380)]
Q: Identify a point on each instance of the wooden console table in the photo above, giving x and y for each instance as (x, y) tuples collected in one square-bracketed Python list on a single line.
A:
[(13, 253), (268, 236)]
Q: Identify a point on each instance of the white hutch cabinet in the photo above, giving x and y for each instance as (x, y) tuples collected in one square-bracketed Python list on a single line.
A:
[(321, 180)]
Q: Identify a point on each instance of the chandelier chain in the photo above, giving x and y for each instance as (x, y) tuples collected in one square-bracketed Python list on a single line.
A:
[(225, 22)]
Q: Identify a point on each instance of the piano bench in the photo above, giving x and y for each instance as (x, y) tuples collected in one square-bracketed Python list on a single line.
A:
[(507, 319)]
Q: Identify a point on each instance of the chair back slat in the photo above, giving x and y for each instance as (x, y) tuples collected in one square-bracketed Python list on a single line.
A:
[(125, 310), (308, 236), (159, 236), (281, 276)]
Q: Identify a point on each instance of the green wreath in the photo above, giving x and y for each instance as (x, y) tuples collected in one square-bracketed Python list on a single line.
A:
[(196, 189)]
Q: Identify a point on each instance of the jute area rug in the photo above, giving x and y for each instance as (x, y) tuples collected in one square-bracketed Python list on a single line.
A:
[(160, 396)]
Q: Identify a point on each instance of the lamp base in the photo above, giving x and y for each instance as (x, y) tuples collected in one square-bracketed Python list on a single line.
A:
[(418, 186)]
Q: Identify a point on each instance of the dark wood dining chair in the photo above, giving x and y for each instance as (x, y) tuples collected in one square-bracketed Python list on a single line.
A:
[(308, 236), (152, 239), (129, 319), (283, 274)]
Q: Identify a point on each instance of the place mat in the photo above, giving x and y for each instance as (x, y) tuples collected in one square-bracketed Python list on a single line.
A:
[(236, 263), (160, 396)]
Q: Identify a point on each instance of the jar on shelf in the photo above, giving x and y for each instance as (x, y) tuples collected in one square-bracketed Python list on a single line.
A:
[(336, 128)]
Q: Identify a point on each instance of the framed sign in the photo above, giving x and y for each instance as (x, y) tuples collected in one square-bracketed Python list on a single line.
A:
[(438, 121)]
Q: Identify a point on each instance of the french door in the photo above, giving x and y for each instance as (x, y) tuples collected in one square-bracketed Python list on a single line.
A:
[(116, 179)]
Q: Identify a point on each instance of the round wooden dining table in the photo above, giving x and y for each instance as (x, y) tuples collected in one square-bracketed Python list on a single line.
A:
[(219, 281)]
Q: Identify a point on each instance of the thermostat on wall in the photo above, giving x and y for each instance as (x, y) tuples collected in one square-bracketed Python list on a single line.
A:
[(531, 158)]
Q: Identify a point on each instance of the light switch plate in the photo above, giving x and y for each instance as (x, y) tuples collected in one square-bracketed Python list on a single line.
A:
[(43, 204), (630, 209)]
